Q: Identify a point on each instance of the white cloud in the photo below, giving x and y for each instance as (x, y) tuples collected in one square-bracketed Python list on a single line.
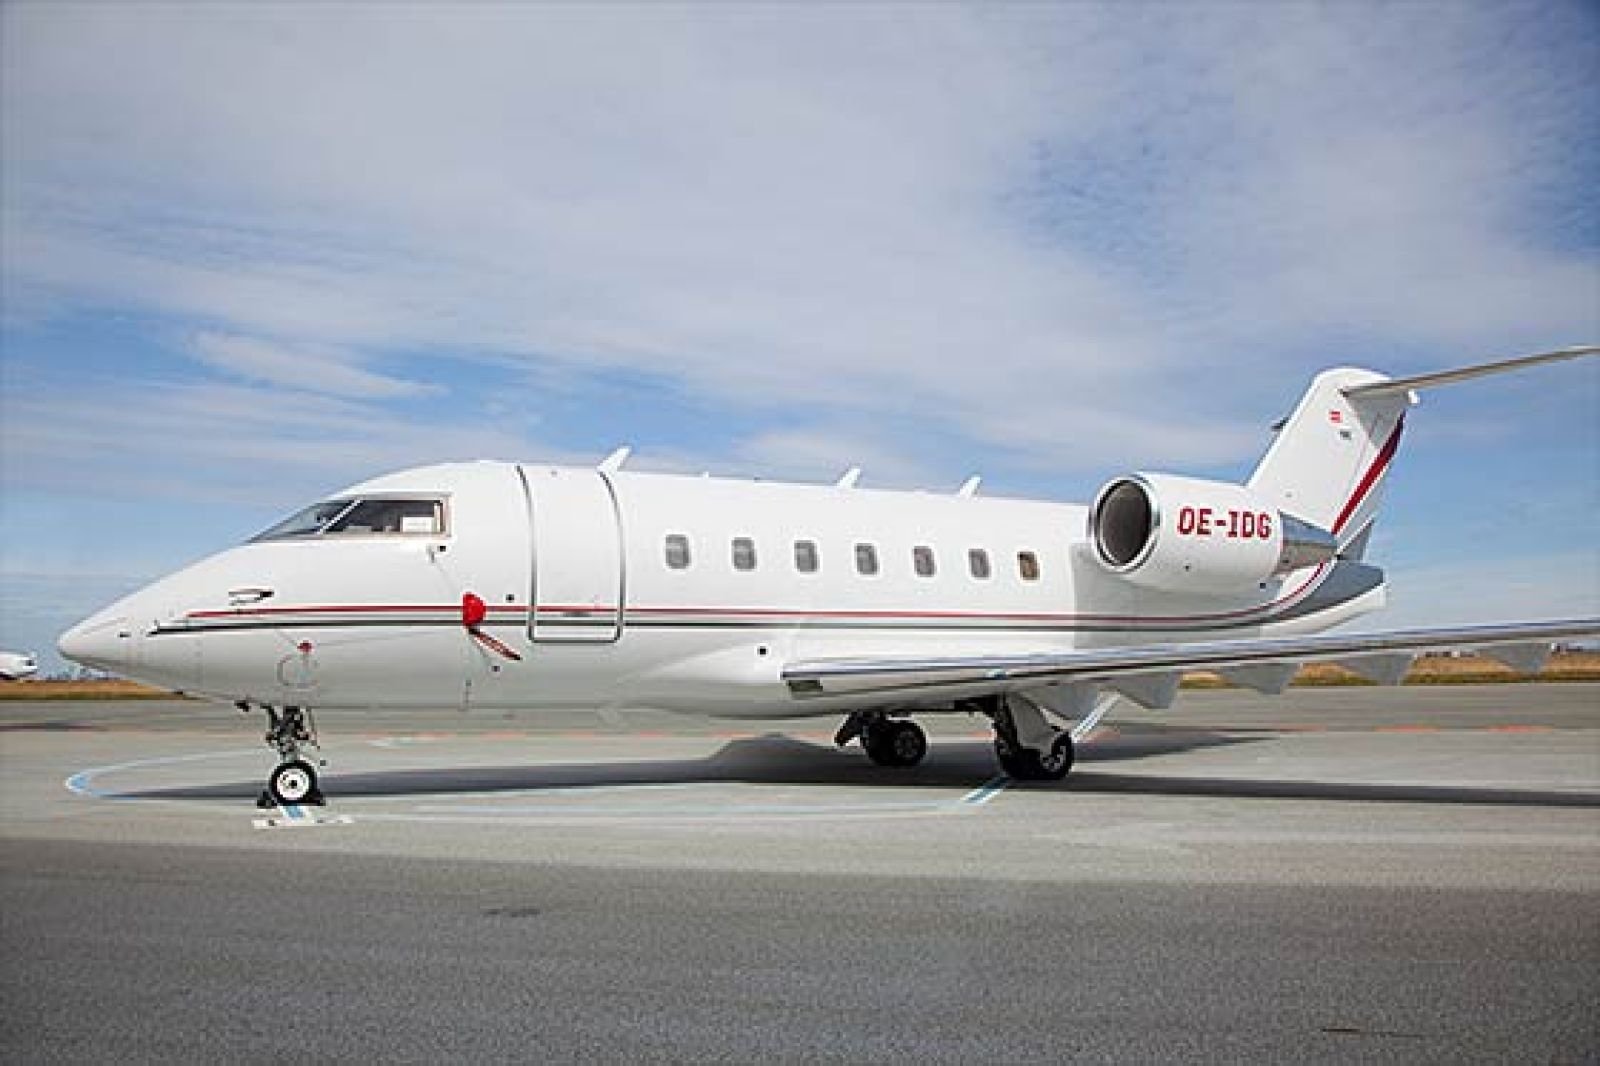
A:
[(301, 367), (770, 203), (220, 442)]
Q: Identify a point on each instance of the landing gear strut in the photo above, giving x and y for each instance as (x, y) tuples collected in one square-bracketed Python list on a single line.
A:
[(294, 780), (897, 742), (1029, 748)]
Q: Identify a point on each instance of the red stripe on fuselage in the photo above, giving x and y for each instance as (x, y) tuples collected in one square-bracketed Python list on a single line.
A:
[(1379, 463)]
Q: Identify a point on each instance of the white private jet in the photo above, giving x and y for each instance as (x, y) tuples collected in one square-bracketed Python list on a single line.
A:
[(518, 586), (16, 665)]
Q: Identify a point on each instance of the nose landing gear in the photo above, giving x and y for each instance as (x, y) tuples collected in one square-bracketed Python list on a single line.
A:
[(294, 780)]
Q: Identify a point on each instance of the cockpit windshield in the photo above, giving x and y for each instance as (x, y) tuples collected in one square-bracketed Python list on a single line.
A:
[(378, 515)]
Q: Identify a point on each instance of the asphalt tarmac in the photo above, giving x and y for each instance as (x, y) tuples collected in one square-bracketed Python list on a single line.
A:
[(1375, 874)]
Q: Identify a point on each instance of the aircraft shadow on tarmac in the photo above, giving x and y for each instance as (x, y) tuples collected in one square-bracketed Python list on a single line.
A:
[(1246, 788), (776, 759), (773, 759)]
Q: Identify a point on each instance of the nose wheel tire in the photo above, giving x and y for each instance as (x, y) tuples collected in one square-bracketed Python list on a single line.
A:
[(895, 742), (1025, 764), (292, 783)]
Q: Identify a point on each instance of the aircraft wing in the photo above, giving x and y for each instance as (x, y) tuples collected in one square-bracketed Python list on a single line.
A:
[(1149, 674)]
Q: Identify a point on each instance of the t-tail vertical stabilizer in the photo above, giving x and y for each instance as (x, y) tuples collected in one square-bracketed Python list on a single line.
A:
[(1328, 464), (1330, 460)]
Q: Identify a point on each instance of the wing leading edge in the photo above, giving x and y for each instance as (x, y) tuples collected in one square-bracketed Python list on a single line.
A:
[(1148, 674)]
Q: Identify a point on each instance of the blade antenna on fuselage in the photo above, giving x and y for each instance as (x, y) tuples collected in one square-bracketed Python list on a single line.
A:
[(613, 462)]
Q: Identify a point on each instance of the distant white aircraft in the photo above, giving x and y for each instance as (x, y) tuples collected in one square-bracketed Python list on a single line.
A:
[(16, 665), (519, 586)]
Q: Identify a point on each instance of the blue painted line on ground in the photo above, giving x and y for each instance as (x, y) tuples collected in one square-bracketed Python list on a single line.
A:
[(986, 791), (976, 798), (724, 810), (80, 783)]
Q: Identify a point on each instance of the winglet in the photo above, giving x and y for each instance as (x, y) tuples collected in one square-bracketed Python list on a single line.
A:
[(848, 479), (1466, 373), (969, 487), (613, 462)]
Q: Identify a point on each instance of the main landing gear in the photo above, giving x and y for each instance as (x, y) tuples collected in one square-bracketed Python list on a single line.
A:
[(897, 742), (1028, 746), (294, 780)]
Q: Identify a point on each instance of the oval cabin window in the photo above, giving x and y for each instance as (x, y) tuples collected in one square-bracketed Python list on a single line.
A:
[(1028, 566), (677, 551), (744, 553)]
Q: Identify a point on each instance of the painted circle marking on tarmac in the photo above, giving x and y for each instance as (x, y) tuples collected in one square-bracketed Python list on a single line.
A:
[(504, 807), (82, 784)]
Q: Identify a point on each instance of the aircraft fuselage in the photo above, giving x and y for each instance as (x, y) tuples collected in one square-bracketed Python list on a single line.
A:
[(619, 589)]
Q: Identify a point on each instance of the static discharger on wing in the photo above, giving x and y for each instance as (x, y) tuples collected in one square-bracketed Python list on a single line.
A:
[(514, 586)]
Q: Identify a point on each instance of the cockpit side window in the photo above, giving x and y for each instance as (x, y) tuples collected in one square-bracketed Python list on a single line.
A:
[(384, 515), (390, 516), (307, 523)]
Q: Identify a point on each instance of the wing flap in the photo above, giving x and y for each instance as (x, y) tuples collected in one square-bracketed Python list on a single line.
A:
[(1389, 668), (1523, 658), (1269, 679), (1152, 691), (1145, 671)]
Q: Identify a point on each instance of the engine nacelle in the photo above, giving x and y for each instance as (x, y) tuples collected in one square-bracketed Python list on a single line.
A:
[(1183, 534)]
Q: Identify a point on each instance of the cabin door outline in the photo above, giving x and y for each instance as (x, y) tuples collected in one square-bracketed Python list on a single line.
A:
[(578, 566)]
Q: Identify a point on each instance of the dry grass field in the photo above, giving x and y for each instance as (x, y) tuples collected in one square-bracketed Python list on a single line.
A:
[(1442, 670), (1434, 670), (107, 689)]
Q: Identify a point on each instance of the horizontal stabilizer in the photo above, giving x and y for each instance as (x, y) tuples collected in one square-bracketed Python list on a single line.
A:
[(1394, 386)]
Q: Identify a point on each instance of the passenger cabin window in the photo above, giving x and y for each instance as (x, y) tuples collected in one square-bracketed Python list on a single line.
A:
[(744, 553), (1028, 566), (922, 560), (866, 559), (805, 556), (978, 564), (380, 516), (677, 551)]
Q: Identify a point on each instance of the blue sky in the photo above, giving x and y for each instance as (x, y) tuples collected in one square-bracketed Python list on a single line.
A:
[(251, 253)]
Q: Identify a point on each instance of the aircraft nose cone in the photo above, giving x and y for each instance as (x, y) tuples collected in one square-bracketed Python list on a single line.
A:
[(99, 643)]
